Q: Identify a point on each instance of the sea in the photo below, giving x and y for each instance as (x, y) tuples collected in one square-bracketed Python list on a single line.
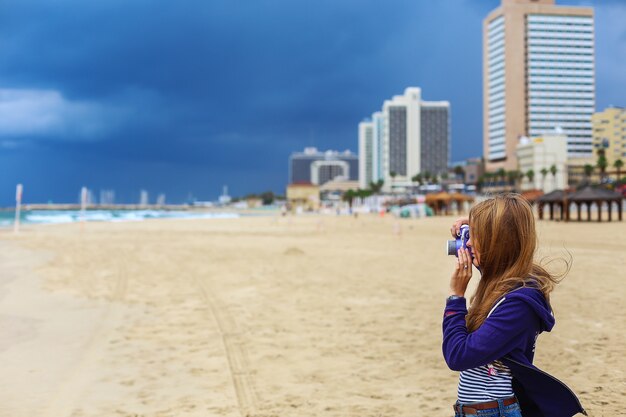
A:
[(7, 218)]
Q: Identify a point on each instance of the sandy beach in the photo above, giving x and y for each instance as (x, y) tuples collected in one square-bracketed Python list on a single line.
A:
[(271, 316)]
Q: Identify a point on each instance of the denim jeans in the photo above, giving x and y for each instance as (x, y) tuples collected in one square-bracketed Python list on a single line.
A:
[(512, 410)]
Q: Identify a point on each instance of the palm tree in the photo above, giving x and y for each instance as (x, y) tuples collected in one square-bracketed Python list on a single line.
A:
[(363, 193), (349, 197), (501, 174), (618, 164), (427, 176), (544, 173), (375, 187), (417, 178), (530, 174), (481, 182), (512, 177), (553, 171), (488, 177), (520, 179), (588, 168), (459, 172), (602, 163)]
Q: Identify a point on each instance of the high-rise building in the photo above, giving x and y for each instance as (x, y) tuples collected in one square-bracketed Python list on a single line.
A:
[(407, 137), (378, 124), (538, 75), (315, 167), (609, 133), (366, 153)]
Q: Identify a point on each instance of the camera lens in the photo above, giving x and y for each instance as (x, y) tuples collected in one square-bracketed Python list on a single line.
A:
[(451, 247)]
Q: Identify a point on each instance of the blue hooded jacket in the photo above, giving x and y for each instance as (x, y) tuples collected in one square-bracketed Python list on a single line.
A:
[(509, 334)]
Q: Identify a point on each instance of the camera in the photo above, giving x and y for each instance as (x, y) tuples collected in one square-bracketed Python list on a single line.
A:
[(460, 242)]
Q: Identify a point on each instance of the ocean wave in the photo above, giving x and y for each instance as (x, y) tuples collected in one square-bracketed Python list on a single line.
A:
[(72, 216)]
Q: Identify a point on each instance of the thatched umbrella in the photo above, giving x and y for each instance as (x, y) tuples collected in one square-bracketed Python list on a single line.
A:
[(438, 202)]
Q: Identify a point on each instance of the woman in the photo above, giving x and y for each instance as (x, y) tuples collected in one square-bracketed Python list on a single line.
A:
[(493, 345)]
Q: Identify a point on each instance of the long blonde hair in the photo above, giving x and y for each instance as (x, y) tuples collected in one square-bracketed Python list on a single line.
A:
[(502, 229)]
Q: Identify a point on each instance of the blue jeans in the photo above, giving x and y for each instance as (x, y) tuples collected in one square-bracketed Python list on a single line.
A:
[(512, 410)]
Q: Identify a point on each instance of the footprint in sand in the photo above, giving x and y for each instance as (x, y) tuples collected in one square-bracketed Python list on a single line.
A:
[(291, 251)]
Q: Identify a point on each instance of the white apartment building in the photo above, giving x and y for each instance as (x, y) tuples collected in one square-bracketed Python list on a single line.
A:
[(407, 137)]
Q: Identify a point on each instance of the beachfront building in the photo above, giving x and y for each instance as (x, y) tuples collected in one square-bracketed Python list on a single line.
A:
[(609, 133), (538, 74), (407, 137), (335, 189), (315, 167), (303, 197), (472, 170), (542, 153)]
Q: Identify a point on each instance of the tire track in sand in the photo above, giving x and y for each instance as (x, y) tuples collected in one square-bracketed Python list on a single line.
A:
[(65, 400), (235, 350)]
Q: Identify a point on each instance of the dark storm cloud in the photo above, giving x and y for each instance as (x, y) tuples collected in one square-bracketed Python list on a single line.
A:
[(183, 97)]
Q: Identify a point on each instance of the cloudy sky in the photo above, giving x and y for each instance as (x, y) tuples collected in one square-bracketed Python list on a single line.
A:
[(184, 97)]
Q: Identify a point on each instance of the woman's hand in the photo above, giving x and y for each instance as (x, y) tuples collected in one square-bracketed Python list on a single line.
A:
[(456, 226), (462, 273)]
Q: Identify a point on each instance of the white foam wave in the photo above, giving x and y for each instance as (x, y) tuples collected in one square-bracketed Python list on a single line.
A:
[(71, 216)]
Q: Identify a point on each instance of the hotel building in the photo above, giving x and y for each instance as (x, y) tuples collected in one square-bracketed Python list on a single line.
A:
[(315, 167), (407, 137), (538, 75)]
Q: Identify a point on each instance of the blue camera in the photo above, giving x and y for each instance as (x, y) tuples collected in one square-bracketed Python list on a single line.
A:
[(460, 242)]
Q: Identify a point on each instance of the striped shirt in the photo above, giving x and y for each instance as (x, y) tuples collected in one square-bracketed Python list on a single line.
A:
[(485, 383)]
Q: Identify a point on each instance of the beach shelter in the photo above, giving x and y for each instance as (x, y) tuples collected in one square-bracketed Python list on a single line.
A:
[(598, 196), (460, 200), (556, 198), (439, 202)]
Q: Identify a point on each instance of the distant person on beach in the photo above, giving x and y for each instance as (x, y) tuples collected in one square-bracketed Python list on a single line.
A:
[(493, 344)]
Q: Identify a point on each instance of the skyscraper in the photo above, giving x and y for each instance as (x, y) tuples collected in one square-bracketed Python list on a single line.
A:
[(407, 137), (538, 77)]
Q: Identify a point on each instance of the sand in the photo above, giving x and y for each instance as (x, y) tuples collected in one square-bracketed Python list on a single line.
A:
[(272, 316)]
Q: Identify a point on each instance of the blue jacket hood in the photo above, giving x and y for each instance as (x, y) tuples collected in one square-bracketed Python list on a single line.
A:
[(535, 299)]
